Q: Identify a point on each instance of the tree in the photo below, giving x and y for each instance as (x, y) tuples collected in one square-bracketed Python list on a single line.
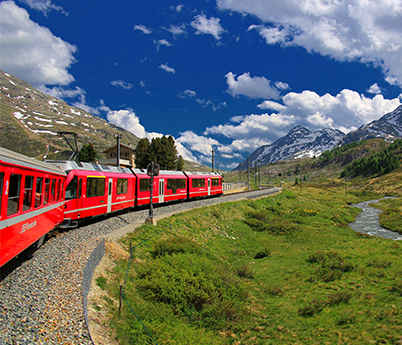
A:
[(142, 153), (160, 150), (87, 154)]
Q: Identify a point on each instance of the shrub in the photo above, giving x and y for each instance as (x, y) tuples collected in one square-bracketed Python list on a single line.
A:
[(245, 272), (262, 253), (177, 244), (193, 286)]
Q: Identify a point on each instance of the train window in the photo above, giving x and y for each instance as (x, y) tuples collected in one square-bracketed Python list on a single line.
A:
[(71, 189), (53, 191), (145, 185), (14, 194), (175, 184), (28, 191), (198, 182), (122, 184), (47, 191), (80, 188), (1, 189), (215, 182), (38, 192), (95, 186), (57, 197)]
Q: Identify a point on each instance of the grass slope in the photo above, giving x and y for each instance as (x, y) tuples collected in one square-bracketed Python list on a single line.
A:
[(279, 270)]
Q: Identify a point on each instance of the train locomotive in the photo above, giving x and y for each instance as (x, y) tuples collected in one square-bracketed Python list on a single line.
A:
[(38, 196)]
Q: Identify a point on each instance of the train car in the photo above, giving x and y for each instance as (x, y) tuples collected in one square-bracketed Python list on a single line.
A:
[(167, 186), (95, 189), (31, 202), (201, 184)]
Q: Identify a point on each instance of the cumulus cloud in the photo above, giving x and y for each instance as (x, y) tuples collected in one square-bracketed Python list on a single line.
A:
[(166, 68), (120, 83), (375, 89), (365, 31), (253, 87), (203, 25), (143, 29), (128, 120), (162, 42), (30, 51)]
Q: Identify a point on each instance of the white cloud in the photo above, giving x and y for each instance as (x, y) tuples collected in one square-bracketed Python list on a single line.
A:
[(271, 105), (375, 89), (254, 126), (30, 51), (365, 31), (162, 42), (127, 120), (207, 26), (166, 68), (196, 143), (187, 94), (43, 6), (122, 84), (177, 29), (253, 87), (143, 29)]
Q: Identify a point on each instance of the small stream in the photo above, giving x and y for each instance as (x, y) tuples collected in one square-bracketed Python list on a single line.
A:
[(367, 221)]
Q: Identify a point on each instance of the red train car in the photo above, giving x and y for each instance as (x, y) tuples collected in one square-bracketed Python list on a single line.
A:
[(31, 202), (94, 189), (167, 186), (201, 184)]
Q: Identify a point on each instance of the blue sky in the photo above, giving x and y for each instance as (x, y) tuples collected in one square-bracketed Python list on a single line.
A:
[(228, 75)]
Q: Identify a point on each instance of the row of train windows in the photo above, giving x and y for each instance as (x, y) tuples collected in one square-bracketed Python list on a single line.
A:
[(46, 190), (200, 182), (96, 186)]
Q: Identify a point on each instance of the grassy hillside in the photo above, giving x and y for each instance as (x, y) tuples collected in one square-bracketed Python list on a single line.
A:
[(280, 270)]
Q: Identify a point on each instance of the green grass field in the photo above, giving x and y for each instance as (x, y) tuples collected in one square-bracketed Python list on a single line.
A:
[(280, 270)]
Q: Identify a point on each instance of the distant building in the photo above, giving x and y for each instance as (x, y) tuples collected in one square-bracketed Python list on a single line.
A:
[(127, 156)]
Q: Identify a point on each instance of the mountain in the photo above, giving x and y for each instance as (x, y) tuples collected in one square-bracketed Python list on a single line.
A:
[(388, 127), (299, 142), (30, 120)]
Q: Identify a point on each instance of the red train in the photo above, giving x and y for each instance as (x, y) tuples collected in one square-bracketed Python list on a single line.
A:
[(66, 192)]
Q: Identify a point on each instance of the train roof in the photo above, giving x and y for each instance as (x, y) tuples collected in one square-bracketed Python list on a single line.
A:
[(72, 165), (161, 172), (201, 174), (12, 157)]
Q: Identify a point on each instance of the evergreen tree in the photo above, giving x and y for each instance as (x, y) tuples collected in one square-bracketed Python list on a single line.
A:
[(180, 164), (87, 154), (142, 154)]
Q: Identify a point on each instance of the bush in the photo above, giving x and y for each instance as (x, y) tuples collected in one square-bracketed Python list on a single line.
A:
[(245, 272), (262, 254), (173, 245), (193, 286)]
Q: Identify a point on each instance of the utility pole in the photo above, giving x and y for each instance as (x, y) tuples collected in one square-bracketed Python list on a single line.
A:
[(248, 173), (213, 163), (118, 137), (152, 170)]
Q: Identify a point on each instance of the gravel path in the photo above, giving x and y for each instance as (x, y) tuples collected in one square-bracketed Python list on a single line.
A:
[(41, 301)]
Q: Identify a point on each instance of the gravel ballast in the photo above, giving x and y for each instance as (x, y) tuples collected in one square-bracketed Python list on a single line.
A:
[(41, 300)]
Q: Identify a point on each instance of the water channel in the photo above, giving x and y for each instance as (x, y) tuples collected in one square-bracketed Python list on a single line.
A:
[(367, 221)]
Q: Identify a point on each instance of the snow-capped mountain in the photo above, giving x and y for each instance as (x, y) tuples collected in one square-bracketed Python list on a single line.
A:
[(387, 127), (298, 143)]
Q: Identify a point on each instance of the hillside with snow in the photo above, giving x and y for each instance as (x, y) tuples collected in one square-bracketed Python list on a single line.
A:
[(30, 121)]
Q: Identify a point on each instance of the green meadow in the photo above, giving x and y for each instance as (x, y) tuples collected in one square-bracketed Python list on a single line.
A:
[(286, 269)]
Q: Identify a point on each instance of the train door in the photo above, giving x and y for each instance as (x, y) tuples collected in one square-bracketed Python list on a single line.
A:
[(161, 190), (109, 195), (209, 186), (79, 194)]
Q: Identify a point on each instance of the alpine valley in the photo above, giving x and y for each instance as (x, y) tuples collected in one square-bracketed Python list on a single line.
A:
[(302, 143), (30, 121)]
